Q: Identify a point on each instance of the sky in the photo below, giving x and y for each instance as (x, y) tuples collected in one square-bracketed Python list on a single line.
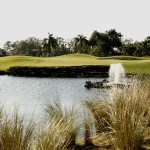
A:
[(20, 19)]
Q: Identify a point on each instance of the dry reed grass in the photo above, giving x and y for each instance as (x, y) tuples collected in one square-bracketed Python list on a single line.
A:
[(14, 134), (125, 117), (60, 130)]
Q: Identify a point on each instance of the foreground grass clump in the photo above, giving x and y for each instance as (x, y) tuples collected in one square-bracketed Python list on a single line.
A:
[(125, 117), (60, 130), (14, 134), (130, 114)]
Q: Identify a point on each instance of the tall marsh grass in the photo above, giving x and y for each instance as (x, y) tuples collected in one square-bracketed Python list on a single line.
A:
[(125, 117), (60, 130), (100, 115), (14, 134), (130, 112)]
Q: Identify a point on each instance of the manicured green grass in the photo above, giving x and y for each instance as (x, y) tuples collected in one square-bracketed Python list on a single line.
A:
[(127, 58), (137, 67), (131, 64)]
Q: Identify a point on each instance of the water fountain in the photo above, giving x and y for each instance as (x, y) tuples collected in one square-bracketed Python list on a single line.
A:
[(116, 73), (116, 78)]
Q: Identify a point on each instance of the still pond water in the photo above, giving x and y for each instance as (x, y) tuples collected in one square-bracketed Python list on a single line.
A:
[(30, 94)]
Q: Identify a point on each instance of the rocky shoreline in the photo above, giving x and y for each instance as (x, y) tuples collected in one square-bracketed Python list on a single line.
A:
[(58, 72)]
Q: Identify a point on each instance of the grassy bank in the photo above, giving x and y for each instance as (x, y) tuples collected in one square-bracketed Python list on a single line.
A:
[(131, 64)]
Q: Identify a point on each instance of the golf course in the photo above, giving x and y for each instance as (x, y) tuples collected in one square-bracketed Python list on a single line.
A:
[(130, 63)]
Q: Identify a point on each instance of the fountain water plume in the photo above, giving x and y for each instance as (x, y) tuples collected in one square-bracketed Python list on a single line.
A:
[(116, 73), (116, 78)]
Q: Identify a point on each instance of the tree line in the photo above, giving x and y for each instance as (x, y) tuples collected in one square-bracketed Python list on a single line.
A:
[(108, 43)]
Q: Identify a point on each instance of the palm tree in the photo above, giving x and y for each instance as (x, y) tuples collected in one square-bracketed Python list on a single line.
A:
[(49, 44), (44, 44), (80, 41)]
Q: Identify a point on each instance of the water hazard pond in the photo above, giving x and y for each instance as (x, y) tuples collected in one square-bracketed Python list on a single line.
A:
[(30, 94)]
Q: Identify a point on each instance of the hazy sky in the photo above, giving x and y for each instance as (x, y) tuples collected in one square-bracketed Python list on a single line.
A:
[(20, 19)]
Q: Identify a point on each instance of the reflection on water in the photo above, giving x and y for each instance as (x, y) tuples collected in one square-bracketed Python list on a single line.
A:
[(30, 94)]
